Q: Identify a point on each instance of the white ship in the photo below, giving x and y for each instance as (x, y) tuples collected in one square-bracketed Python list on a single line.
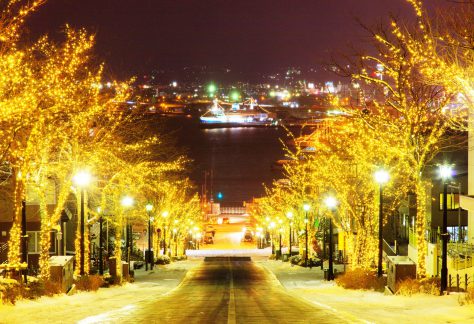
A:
[(245, 114)]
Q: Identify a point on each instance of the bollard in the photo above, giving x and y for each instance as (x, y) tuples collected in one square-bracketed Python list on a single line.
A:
[(457, 281), (466, 281), (450, 282)]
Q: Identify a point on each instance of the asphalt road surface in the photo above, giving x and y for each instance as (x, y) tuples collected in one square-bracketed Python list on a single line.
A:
[(228, 290)]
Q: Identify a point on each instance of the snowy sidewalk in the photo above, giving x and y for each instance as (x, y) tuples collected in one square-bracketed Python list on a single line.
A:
[(368, 306), (93, 307)]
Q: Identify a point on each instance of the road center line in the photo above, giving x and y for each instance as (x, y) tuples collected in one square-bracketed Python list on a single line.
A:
[(231, 308)]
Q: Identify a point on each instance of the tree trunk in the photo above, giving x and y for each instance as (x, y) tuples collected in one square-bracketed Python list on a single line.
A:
[(15, 239), (420, 227)]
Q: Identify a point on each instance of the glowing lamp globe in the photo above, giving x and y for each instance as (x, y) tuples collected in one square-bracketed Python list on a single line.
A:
[(381, 176), (149, 207), (330, 202), (82, 179), (306, 207), (445, 171), (127, 201)]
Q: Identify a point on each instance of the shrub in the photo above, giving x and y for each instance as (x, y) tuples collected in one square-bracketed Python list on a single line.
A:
[(162, 259), (361, 279), (468, 297), (296, 259), (11, 290), (10, 295), (180, 258), (89, 283), (43, 288), (411, 286)]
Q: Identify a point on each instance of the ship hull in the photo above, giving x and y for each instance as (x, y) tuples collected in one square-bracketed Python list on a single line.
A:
[(233, 125)]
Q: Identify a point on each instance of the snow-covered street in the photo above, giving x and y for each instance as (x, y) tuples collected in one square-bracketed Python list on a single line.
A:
[(94, 307), (369, 306)]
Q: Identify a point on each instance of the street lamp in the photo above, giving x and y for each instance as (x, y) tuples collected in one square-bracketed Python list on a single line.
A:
[(175, 235), (101, 261), (331, 204), (149, 258), (127, 202), (272, 226), (289, 215), (82, 180), (279, 232), (198, 239), (381, 177), (306, 208), (164, 214), (445, 172)]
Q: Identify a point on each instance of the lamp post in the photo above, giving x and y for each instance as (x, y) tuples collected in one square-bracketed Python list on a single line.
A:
[(101, 261), (24, 239), (164, 214), (82, 180), (149, 258), (445, 172), (331, 204), (175, 235), (280, 230), (198, 239), (306, 208), (127, 202), (272, 226), (381, 177), (289, 215)]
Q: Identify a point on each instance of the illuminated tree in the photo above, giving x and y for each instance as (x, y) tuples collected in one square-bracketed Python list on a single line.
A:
[(405, 105)]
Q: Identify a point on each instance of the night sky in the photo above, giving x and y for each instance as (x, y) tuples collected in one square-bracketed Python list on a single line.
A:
[(135, 36)]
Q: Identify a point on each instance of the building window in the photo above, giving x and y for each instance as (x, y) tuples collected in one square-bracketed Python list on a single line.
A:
[(457, 233), (34, 242), (453, 201)]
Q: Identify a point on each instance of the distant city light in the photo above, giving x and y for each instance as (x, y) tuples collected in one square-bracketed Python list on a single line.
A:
[(235, 96), (211, 88)]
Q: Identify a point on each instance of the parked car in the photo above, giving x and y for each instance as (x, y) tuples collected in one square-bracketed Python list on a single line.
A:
[(208, 238), (211, 229), (225, 220), (248, 236)]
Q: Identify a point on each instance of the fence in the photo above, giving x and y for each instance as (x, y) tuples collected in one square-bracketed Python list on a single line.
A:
[(460, 282)]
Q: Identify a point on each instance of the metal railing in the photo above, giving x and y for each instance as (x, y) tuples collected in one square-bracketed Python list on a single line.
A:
[(388, 249), (462, 255), (431, 236), (3, 252)]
